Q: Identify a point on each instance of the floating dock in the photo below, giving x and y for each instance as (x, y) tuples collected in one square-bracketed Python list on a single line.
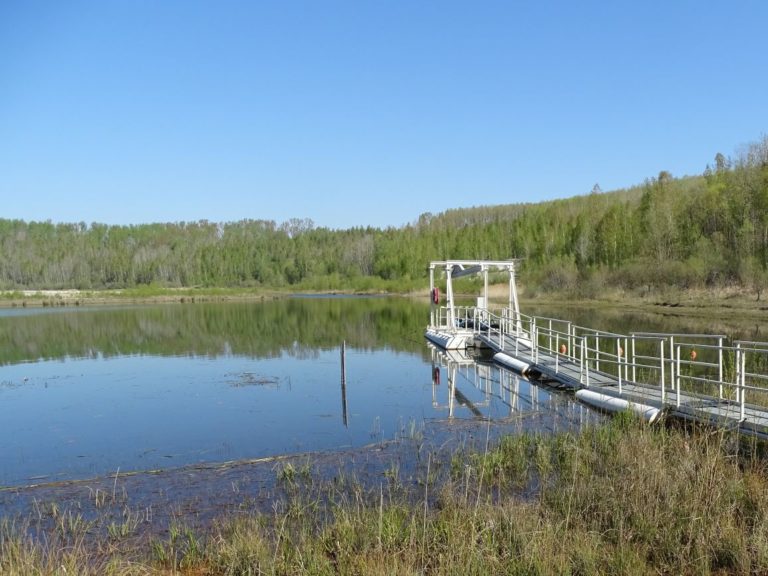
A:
[(705, 378)]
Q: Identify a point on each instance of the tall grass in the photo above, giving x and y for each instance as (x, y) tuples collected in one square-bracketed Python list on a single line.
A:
[(624, 498)]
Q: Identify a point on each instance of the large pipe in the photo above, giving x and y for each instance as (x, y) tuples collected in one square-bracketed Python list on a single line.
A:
[(517, 365), (613, 404)]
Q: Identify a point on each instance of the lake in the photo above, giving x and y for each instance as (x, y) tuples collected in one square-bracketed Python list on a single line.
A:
[(88, 392)]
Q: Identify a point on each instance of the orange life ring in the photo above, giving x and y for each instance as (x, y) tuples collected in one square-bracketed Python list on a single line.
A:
[(693, 355), (436, 295), (563, 349)]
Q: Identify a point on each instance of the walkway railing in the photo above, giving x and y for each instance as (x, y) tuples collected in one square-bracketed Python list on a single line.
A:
[(682, 366)]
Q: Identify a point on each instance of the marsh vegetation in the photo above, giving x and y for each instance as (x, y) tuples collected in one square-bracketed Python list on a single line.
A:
[(624, 498)]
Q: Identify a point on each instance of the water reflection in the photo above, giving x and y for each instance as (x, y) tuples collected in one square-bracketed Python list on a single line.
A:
[(294, 326), (477, 388), (85, 392)]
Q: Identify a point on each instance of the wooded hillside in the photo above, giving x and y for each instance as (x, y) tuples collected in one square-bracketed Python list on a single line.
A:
[(707, 230)]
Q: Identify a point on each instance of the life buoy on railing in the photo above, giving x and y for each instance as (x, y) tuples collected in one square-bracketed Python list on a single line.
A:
[(436, 376), (436, 295)]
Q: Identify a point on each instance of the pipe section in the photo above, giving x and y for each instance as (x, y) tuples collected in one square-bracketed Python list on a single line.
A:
[(613, 404)]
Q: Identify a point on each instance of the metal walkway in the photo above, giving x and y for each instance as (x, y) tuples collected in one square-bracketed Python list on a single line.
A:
[(702, 377)]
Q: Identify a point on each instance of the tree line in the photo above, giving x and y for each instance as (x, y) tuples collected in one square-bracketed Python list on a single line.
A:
[(695, 231)]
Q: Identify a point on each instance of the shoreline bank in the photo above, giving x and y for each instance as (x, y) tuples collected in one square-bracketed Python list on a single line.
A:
[(716, 302)]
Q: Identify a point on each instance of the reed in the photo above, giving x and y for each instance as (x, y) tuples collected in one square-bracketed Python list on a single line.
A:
[(624, 498)]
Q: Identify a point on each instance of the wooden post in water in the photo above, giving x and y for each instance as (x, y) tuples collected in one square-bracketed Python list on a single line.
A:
[(344, 381)]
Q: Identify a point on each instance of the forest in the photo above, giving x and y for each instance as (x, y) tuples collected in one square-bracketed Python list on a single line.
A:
[(708, 230)]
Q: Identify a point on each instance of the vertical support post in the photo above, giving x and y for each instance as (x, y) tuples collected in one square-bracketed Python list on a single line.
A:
[(550, 334), (672, 362), (634, 363), (431, 296), (743, 385), (557, 353), (517, 344), (661, 366), (738, 372), (570, 342), (514, 304), (618, 361), (449, 297), (626, 365), (597, 351), (581, 363), (720, 365), (586, 366), (502, 326), (344, 381), (677, 376)]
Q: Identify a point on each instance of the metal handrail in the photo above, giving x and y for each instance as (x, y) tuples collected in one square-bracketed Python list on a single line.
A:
[(588, 350)]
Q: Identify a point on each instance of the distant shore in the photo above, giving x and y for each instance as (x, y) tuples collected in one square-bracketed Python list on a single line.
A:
[(717, 301)]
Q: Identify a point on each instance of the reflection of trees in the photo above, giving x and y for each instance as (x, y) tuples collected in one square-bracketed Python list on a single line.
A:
[(293, 326)]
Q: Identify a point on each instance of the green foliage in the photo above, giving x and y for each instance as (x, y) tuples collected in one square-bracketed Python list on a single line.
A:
[(695, 231)]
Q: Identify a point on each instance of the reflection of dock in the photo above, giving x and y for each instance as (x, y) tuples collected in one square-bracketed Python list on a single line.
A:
[(512, 395), (699, 377)]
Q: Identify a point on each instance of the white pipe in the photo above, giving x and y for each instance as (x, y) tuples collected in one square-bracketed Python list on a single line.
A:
[(514, 364), (612, 404)]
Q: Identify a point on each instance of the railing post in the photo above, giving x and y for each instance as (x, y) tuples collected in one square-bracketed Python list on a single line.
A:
[(626, 365), (661, 364), (597, 351), (720, 365), (634, 363), (570, 341), (502, 338), (677, 375), (550, 334), (738, 372), (517, 344), (586, 367), (672, 362), (581, 362), (618, 361), (743, 384)]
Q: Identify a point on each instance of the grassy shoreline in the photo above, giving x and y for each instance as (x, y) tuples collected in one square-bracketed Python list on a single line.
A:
[(624, 498), (160, 295), (717, 302)]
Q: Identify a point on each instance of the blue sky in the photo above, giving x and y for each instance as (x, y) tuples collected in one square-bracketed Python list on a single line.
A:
[(356, 113)]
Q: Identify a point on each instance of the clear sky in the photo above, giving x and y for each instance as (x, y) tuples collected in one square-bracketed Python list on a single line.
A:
[(362, 112)]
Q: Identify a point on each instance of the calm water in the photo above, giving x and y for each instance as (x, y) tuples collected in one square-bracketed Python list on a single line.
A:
[(85, 392)]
